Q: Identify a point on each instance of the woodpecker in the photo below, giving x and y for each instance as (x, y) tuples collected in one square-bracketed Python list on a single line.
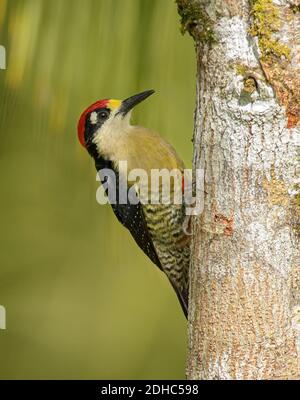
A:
[(104, 129)]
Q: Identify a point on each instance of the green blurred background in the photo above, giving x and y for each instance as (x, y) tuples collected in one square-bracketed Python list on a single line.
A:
[(82, 300)]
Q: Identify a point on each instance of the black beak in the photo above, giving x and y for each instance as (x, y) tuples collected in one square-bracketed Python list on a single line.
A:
[(132, 101)]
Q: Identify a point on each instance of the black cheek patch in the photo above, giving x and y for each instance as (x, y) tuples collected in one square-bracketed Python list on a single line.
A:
[(91, 129)]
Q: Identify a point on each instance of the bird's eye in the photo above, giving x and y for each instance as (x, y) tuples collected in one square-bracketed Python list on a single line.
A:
[(103, 114)]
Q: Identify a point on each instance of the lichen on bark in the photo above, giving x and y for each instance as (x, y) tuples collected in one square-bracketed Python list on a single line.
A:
[(195, 20), (265, 22), (278, 60)]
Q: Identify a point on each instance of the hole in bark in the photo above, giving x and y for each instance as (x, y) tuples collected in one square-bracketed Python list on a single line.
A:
[(250, 84)]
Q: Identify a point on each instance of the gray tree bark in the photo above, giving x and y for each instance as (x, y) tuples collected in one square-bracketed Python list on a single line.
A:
[(244, 317)]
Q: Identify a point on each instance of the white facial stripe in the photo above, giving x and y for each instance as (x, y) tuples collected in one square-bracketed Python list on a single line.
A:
[(93, 117)]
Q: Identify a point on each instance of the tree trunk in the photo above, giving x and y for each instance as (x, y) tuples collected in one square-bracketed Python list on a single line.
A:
[(244, 317)]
